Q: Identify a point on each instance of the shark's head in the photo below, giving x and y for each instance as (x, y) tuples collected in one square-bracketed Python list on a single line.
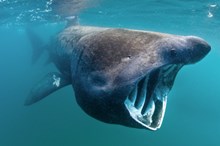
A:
[(147, 101), (124, 76)]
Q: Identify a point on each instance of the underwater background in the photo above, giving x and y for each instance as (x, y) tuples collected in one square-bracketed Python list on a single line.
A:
[(193, 111)]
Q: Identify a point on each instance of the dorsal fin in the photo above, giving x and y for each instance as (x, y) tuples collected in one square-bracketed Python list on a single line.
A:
[(37, 44)]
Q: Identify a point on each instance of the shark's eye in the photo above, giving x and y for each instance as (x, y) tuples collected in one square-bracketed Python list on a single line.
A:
[(173, 53)]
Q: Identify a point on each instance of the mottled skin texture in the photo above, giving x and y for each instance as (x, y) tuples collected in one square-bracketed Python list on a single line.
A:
[(105, 64), (109, 61)]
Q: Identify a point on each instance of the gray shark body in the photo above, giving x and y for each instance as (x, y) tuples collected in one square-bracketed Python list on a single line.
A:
[(119, 76)]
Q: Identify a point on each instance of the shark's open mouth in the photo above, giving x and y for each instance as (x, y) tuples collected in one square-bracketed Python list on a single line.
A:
[(147, 101)]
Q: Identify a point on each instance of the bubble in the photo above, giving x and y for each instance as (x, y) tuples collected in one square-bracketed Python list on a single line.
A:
[(212, 5), (210, 15)]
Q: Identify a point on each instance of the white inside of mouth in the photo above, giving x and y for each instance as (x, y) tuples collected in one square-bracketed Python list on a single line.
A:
[(147, 105)]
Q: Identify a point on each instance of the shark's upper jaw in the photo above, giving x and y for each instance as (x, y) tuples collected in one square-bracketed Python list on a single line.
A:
[(146, 103)]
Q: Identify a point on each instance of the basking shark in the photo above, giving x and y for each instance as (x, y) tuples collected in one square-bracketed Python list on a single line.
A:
[(120, 76)]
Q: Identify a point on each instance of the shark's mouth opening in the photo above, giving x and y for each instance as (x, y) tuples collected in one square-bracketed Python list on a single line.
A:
[(147, 101)]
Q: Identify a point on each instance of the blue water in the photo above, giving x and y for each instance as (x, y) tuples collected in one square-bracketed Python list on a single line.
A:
[(193, 111)]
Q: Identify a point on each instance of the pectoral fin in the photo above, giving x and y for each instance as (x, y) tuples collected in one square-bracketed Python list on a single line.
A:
[(50, 83)]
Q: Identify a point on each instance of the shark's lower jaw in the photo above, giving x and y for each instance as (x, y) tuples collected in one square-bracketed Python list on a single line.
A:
[(147, 101)]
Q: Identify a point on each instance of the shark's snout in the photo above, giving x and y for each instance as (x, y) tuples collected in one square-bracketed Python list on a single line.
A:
[(198, 48), (184, 50)]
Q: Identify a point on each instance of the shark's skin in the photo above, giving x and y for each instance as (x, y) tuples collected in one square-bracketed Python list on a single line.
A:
[(119, 76)]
